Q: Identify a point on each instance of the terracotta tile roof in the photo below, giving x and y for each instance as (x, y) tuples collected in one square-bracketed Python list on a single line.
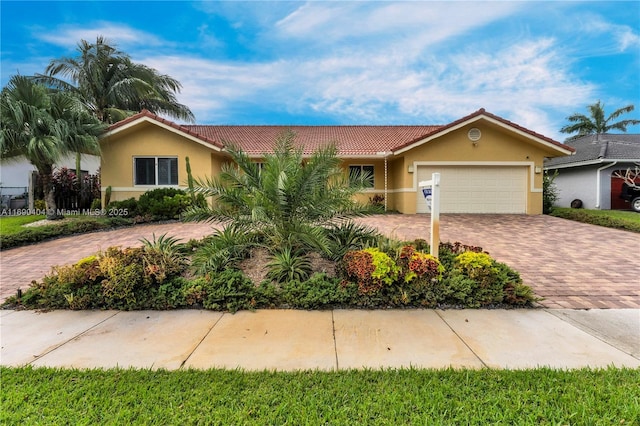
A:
[(350, 140), (363, 140)]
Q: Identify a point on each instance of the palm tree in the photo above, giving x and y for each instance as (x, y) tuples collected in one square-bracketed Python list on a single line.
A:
[(596, 123), (43, 126), (112, 86), (287, 199)]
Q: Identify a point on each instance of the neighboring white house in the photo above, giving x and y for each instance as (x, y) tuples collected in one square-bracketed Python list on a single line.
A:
[(14, 174), (587, 175)]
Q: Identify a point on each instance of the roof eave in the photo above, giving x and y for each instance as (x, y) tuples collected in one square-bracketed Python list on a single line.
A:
[(145, 118), (483, 116)]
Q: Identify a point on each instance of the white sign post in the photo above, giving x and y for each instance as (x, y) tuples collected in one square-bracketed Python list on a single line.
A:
[(431, 192)]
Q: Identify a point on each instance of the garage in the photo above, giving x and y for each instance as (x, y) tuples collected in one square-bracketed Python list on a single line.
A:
[(477, 189)]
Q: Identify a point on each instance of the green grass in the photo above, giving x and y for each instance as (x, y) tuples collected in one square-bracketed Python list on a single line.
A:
[(617, 219), (10, 225), (13, 234), (391, 397)]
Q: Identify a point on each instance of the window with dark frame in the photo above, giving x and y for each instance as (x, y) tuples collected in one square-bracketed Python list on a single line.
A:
[(358, 172), (155, 170)]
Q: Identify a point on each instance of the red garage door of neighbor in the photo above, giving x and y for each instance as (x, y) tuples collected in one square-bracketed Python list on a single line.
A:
[(618, 203)]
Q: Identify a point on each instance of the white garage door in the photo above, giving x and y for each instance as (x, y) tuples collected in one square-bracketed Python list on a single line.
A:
[(477, 189)]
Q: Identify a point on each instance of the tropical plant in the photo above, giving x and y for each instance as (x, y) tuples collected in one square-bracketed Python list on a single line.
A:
[(596, 123), (43, 127), (549, 192), (349, 235), (223, 250), (288, 265), (111, 85), (288, 200)]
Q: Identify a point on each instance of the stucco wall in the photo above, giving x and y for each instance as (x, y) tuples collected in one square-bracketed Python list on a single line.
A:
[(495, 145), (118, 152), (581, 183)]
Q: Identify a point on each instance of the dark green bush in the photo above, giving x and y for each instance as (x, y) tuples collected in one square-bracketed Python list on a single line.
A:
[(229, 290), (124, 208), (164, 203), (318, 292)]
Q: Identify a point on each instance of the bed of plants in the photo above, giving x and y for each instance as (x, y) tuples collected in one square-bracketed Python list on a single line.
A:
[(288, 241), (215, 274)]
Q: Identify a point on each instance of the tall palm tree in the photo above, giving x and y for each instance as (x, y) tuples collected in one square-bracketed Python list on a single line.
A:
[(112, 86), (43, 126), (596, 123)]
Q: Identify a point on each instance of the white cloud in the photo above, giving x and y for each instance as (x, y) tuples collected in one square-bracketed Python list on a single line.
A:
[(604, 37), (123, 36), (370, 62)]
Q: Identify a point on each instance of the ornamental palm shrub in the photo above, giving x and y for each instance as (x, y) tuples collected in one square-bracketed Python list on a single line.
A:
[(288, 265), (290, 200), (223, 250), (347, 236)]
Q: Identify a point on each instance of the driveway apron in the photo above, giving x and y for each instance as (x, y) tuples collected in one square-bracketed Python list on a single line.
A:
[(569, 264)]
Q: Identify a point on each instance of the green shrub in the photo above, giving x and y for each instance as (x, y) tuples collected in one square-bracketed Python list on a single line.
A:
[(132, 278), (550, 192), (348, 236), (163, 203), (222, 250), (288, 265), (124, 208), (318, 292), (229, 290)]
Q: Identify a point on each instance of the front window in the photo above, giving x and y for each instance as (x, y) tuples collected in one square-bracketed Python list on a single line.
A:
[(363, 174), (155, 170)]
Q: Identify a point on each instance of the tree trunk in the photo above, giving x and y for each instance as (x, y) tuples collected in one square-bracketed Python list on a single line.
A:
[(49, 195)]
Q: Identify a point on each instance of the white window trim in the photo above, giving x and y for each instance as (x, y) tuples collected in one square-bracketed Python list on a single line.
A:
[(155, 157)]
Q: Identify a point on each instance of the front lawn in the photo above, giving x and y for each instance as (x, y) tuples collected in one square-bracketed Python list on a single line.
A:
[(392, 397), (10, 225), (13, 233), (618, 219)]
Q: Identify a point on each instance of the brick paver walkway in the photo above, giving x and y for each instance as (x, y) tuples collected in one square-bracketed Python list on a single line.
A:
[(19, 266), (570, 264)]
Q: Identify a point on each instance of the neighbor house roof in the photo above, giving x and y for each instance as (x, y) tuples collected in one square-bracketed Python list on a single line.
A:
[(593, 149), (350, 140)]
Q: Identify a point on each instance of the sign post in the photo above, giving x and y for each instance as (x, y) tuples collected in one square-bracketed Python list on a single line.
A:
[(431, 192)]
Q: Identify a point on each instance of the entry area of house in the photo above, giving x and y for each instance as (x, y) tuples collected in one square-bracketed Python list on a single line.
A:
[(478, 189)]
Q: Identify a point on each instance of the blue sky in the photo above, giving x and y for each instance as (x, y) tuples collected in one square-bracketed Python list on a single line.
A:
[(342, 62)]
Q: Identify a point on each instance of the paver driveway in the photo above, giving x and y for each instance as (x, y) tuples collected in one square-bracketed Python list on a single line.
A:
[(571, 265)]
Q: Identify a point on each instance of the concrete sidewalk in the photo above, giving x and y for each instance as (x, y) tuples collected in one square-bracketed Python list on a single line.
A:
[(287, 340)]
